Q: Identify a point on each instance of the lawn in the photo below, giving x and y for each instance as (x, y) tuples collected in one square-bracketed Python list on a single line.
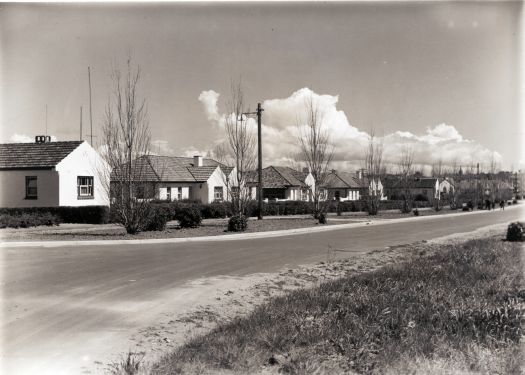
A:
[(458, 310)]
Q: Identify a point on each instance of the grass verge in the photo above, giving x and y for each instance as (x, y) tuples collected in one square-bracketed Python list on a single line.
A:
[(459, 310)]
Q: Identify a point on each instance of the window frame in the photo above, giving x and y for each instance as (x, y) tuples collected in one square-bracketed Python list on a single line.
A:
[(27, 187), (221, 191), (90, 188)]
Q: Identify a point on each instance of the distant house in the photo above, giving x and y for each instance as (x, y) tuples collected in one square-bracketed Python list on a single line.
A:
[(347, 186), (51, 174), (176, 178), (421, 188), (283, 183)]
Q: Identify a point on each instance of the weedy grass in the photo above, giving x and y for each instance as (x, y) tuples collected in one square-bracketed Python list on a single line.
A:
[(459, 310)]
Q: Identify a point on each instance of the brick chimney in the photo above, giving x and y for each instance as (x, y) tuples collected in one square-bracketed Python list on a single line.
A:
[(42, 139), (197, 161)]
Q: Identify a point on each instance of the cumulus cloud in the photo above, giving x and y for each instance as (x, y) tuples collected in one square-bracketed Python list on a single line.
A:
[(209, 100), (284, 116)]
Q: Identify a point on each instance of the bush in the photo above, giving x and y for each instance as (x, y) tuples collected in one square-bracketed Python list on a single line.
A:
[(27, 220), (188, 217), (216, 210), (65, 214), (416, 212), (237, 223), (322, 218), (157, 219), (515, 232)]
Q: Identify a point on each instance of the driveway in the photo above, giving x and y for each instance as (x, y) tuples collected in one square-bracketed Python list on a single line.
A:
[(65, 307)]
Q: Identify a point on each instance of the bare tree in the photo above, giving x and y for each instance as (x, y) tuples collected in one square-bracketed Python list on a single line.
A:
[(239, 151), (373, 165), (406, 161), (438, 169), (316, 150), (126, 139)]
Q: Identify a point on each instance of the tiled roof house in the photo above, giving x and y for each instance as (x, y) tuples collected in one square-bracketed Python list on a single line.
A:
[(176, 178), (283, 183), (51, 174)]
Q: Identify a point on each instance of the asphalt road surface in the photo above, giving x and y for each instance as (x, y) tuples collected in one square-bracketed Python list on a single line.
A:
[(65, 307)]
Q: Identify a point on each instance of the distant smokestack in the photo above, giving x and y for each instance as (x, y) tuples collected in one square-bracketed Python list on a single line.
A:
[(197, 161)]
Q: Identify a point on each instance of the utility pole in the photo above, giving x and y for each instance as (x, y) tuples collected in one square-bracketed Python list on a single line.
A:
[(90, 111), (259, 157), (80, 123)]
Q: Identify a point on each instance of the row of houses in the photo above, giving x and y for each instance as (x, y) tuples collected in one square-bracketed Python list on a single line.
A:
[(46, 174)]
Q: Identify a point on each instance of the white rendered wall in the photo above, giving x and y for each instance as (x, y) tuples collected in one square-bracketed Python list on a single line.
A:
[(83, 161)]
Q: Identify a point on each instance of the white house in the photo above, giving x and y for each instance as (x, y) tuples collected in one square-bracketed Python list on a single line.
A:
[(283, 183), (51, 174), (346, 186), (176, 178)]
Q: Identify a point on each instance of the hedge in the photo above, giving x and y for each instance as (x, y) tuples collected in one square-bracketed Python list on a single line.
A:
[(66, 214)]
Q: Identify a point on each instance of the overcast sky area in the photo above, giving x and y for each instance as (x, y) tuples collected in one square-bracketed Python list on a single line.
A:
[(442, 77)]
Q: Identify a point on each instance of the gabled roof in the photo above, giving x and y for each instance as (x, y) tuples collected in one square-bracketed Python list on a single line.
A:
[(174, 169), (279, 178), (425, 183), (344, 180), (35, 155)]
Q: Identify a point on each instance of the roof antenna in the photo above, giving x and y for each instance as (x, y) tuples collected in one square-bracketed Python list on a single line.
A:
[(81, 123), (90, 111), (46, 119)]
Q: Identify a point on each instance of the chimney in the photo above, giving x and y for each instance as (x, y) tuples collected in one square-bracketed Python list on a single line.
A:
[(42, 139), (359, 174), (197, 161), (306, 170)]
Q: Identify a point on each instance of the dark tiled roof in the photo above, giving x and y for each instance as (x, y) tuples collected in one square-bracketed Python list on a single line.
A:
[(35, 155), (174, 169), (344, 180), (425, 183), (278, 178)]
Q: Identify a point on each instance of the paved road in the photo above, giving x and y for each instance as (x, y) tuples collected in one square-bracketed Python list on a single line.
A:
[(64, 306)]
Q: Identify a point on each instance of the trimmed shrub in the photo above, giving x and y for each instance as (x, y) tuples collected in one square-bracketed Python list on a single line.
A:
[(515, 232), (216, 210), (416, 212), (237, 223), (188, 217), (66, 214), (27, 220), (322, 218), (157, 219)]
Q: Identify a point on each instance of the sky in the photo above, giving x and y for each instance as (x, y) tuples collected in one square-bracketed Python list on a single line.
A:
[(441, 77)]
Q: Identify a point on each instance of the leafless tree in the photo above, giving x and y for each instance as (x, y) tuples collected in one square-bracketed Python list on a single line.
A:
[(126, 142), (374, 167), (239, 151), (406, 172), (316, 150), (438, 169)]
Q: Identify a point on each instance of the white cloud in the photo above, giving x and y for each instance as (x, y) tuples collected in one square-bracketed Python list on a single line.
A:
[(209, 100), (282, 116)]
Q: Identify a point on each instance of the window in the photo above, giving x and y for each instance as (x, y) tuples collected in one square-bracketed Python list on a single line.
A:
[(305, 194), (168, 193), (179, 193), (31, 187), (218, 193), (235, 191), (85, 187)]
